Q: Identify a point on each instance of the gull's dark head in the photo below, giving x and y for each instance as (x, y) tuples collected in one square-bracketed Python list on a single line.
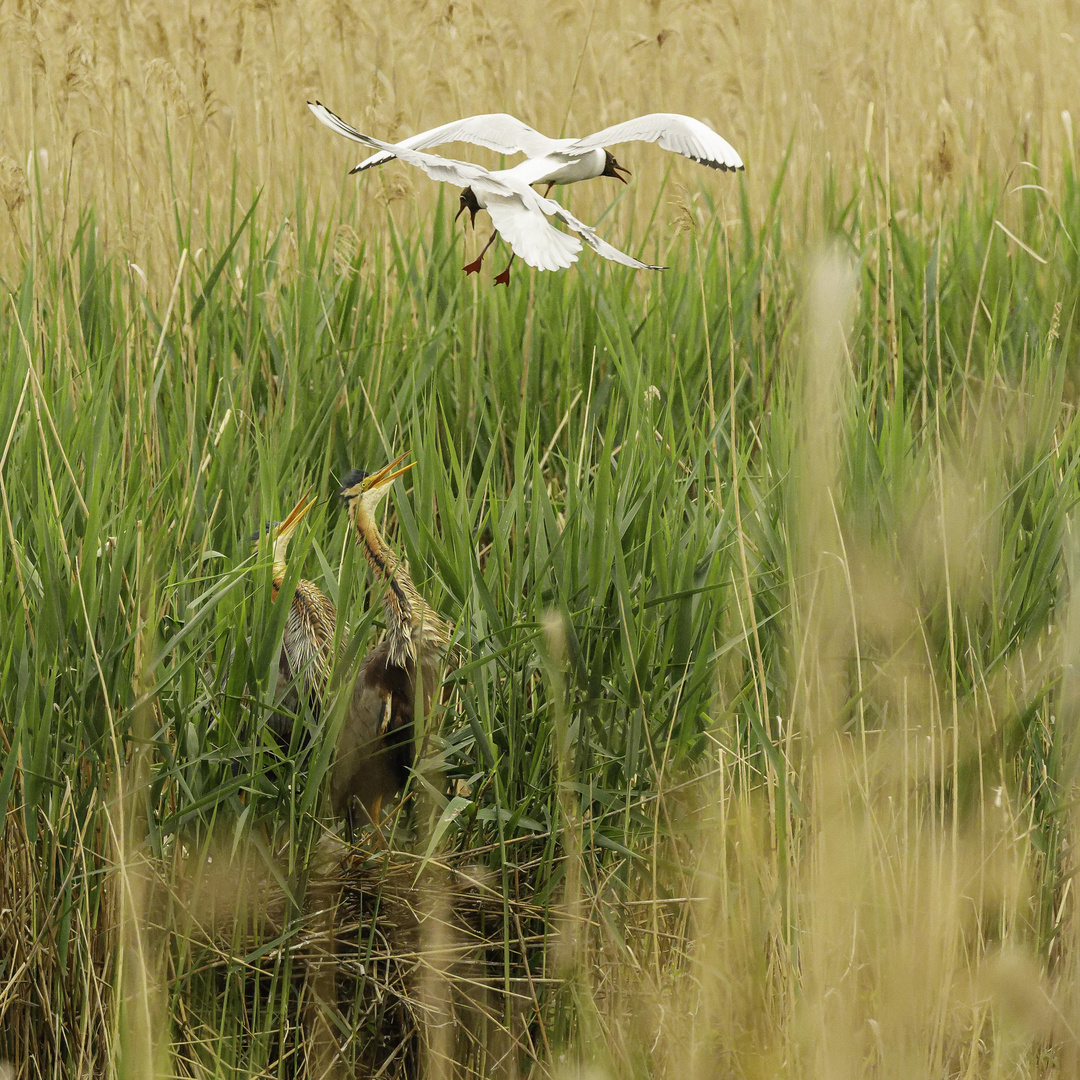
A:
[(468, 202), (613, 168)]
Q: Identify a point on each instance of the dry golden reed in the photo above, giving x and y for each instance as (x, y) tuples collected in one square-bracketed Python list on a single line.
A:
[(116, 96), (879, 930)]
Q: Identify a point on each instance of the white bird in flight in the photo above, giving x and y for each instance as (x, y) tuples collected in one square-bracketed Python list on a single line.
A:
[(566, 161), (519, 214)]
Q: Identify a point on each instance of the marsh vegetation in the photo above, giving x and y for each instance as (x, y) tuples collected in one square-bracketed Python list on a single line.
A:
[(760, 758)]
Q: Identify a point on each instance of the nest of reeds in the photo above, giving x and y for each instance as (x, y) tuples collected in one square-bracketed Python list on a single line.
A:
[(394, 957)]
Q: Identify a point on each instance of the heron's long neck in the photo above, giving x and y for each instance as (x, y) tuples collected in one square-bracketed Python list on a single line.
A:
[(280, 567), (411, 623)]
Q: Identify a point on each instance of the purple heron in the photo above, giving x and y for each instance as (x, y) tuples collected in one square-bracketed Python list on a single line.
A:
[(375, 748), (307, 645)]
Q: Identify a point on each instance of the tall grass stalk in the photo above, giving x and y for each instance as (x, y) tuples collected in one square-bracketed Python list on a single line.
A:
[(790, 789)]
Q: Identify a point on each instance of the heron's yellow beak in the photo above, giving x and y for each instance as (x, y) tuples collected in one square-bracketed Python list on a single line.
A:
[(295, 516), (386, 475)]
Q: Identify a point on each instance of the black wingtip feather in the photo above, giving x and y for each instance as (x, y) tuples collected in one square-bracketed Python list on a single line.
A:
[(723, 166)]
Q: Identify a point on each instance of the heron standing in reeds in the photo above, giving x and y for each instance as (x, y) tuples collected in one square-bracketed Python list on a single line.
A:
[(375, 748), (307, 645)]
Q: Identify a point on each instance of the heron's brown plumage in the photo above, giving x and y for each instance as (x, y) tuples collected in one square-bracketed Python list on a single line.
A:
[(375, 746), (307, 645)]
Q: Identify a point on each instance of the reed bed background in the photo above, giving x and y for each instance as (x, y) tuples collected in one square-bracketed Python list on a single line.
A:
[(761, 756)]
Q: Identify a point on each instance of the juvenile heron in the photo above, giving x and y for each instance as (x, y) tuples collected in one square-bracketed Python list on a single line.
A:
[(307, 645), (375, 748)]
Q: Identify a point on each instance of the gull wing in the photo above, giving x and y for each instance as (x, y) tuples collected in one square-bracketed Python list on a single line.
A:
[(673, 131), (531, 236), (445, 170), (517, 212), (589, 236), (501, 132)]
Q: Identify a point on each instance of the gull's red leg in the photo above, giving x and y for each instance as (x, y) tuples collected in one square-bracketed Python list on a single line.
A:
[(504, 277), (474, 266)]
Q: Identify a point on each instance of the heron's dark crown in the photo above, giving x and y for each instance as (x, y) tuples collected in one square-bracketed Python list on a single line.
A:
[(352, 478), (266, 530)]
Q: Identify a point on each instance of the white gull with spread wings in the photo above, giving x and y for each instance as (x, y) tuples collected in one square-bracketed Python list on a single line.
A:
[(519, 214), (566, 161)]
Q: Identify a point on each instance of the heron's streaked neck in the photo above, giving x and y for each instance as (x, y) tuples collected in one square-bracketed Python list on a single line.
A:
[(401, 592), (411, 624)]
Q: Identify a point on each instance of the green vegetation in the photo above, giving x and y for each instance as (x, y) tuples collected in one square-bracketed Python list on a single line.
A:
[(764, 710)]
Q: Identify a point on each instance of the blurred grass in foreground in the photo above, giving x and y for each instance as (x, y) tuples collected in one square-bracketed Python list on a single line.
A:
[(761, 750)]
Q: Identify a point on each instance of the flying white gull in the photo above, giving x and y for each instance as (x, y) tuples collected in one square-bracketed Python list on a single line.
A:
[(519, 214), (565, 161)]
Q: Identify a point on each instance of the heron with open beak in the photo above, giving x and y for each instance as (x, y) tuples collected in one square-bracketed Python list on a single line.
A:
[(307, 645), (375, 749)]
